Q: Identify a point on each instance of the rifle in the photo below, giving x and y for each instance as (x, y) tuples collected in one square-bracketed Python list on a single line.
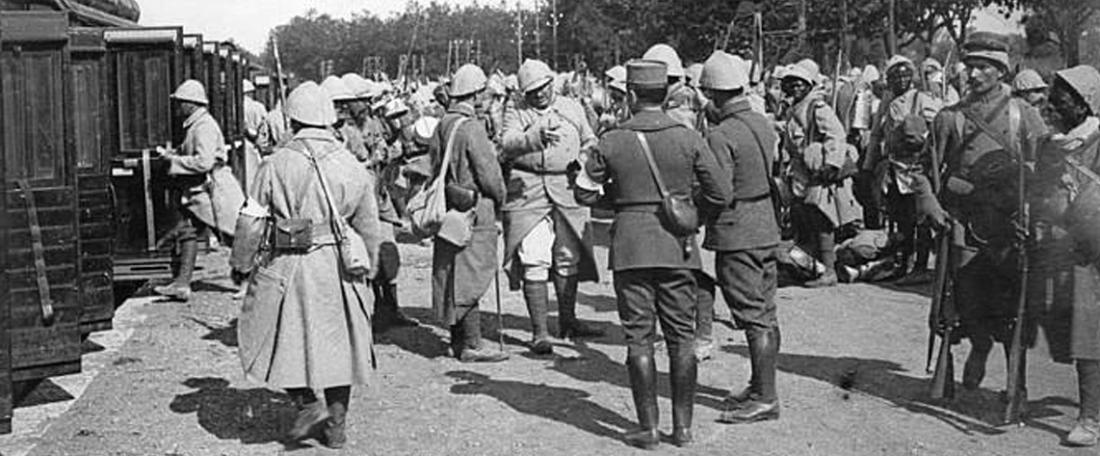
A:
[(942, 317), (836, 77), (279, 76), (1016, 353)]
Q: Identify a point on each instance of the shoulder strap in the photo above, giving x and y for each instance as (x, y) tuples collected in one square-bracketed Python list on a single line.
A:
[(652, 165), (305, 193), (448, 151), (1011, 143), (334, 213), (759, 144)]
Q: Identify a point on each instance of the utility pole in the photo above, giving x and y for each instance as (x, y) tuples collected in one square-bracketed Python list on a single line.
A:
[(554, 11)]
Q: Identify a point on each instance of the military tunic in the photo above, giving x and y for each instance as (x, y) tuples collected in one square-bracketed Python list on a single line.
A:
[(460, 275), (304, 323), (538, 184)]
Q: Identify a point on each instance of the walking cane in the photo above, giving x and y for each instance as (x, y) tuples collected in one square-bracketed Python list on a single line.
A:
[(500, 317)]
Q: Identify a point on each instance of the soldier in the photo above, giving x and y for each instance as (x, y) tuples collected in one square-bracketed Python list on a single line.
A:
[(745, 233), (544, 139), (461, 274), (654, 269), (821, 162), (1030, 87), (304, 324), (977, 143), (344, 127), (894, 158), (254, 113), (1064, 274), (211, 196)]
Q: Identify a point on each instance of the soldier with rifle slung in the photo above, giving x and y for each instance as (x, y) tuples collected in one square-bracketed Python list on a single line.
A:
[(978, 145)]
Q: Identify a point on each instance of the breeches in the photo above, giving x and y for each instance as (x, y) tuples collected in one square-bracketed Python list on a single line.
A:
[(748, 281), (651, 295), (551, 244)]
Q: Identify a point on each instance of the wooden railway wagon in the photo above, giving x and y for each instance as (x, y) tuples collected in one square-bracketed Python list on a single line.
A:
[(144, 67), (41, 275)]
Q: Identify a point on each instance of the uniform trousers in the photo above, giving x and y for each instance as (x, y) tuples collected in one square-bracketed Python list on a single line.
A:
[(748, 281), (647, 296)]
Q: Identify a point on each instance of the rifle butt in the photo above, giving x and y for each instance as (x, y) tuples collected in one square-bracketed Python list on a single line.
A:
[(943, 378)]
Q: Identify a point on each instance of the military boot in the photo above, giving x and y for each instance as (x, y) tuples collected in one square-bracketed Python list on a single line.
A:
[(569, 326), (683, 375), (537, 295), (764, 353), (311, 413), (180, 288), (826, 243), (472, 351), (643, 386), (338, 399), (388, 313)]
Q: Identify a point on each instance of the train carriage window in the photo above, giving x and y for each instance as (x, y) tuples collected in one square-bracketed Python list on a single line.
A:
[(33, 125), (86, 102), (144, 90)]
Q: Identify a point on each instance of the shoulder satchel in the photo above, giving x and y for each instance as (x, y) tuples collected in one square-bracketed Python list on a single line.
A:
[(428, 207), (777, 189), (349, 245), (957, 184), (677, 211)]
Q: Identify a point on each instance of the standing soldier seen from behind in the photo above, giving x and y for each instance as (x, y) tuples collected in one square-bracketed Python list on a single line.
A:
[(254, 113), (211, 196), (654, 269), (1065, 254), (745, 233), (822, 162), (305, 322), (462, 273), (978, 144), (895, 157), (543, 141)]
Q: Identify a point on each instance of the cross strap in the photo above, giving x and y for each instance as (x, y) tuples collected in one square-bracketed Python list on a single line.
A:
[(652, 165)]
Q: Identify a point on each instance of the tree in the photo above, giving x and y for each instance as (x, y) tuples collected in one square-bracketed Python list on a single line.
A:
[(1066, 19)]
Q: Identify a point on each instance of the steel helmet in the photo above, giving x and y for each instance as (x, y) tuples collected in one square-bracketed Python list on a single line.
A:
[(468, 80), (723, 71), (396, 107), (191, 90), (248, 86), (534, 74), (1028, 80), (310, 105), (616, 73), (336, 89), (694, 72), (1085, 81), (899, 60), (805, 70), (359, 86), (667, 54)]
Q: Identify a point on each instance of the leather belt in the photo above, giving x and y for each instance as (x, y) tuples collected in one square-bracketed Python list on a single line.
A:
[(541, 172)]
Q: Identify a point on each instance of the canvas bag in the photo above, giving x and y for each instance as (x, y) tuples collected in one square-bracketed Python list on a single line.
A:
[(349, 245), (427, 208)]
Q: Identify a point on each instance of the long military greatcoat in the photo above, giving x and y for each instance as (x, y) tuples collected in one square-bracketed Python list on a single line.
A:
[(215, 199), (538, 183), (304, 323), (811, 120), (460, 275)]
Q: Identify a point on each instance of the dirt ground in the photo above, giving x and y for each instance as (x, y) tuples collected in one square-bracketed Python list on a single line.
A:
[(852, 382)]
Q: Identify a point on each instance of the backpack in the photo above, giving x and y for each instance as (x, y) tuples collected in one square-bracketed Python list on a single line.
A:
[(428, 206)]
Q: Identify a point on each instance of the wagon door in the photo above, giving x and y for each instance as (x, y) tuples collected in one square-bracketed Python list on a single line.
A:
[(41, 199), (144, 66), (87, 107)]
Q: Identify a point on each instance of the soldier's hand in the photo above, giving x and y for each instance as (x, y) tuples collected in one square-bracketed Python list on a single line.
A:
[(551, 135), (163, 151)]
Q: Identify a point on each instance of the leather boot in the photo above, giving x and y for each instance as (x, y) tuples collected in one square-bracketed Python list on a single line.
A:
[(180, 288), (974, 368), (1086, 432), (472, 351), (643, 386), (338, 399), (764, 353), (311, 413), (683, 367), (826, 245), (568, 325), (389, 312), (537, 295)]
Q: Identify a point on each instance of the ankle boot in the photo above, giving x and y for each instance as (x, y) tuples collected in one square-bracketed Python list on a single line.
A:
[(683, 375), (311, 413), (472, 351), (537, 295), (643, 386), (393, 314), (826, 245), (764, 353), (180, 288), (568, 325), (338, 399)]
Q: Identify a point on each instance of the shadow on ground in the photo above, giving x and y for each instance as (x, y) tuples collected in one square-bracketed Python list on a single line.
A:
[(972, 412), (252, 416), (30, 394)]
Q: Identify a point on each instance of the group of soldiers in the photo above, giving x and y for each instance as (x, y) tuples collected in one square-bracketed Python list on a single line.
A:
[(754, 161)]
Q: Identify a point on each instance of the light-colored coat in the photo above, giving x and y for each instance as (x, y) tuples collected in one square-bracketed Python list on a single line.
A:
[(538, 182), (303, 322), (813, 116), (217, 200)]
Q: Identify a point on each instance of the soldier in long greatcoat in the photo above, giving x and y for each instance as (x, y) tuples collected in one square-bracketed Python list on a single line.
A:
[(544, 227), (1064, 275), (462, 273), (655, 270), (305, 321), (211, 196)]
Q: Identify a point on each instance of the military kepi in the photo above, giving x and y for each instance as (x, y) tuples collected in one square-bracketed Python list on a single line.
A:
[(647, 74), (987, 46)]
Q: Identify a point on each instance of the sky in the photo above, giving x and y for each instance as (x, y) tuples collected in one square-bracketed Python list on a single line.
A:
[(248, 21)]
